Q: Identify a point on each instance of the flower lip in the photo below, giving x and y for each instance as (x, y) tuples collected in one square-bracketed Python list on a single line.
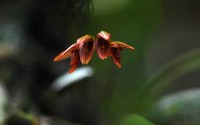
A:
[(104, 35)]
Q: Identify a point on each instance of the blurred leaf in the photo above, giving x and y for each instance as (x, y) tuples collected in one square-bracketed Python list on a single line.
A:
[(7, 50), (162, 79), (134, 120), (3, 102), (67, 79), (179, 107), (21, 118), (55, 121)]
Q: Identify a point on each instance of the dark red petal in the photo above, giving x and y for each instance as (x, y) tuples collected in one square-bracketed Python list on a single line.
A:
[(103, 44), (66, 53), (115, 53), (75, 59), (72, 68), (103, 48), (118, 44), (86, 51)]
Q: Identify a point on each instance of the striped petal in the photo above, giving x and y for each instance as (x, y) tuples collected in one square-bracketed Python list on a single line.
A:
[(66, 53), (116, 48), (103, 44), (115, 53), (75, 59), (86, 51), (118, 44), (84, 39)]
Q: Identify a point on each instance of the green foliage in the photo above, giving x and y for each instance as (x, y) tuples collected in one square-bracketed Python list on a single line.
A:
[(21, 118), (134, 24), (164, 77), (128, 89), (134, 120), (177, 108)]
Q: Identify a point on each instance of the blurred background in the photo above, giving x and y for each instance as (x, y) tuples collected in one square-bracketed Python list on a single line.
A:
[(158, 83)]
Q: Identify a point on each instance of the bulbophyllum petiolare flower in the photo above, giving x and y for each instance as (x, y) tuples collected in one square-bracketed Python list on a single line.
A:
[(81, 51), (103, 44), (107, 48), (115, 48)]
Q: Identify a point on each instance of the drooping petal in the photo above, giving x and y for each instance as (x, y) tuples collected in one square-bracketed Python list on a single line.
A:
[(116, 48), (103, 44), (118, 44), (66, 53), (75, 59), (86, 51), (115, 53)]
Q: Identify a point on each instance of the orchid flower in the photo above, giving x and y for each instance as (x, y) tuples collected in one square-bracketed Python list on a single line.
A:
[(116, 48), (82, 51), (103, 44)]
